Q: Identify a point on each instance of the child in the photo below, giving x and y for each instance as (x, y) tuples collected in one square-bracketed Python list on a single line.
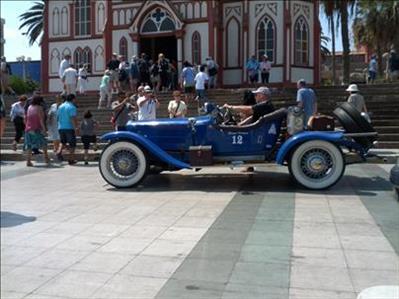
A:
[(87, 129)]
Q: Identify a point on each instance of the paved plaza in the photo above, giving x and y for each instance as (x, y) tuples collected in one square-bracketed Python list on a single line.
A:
[(217, 233)]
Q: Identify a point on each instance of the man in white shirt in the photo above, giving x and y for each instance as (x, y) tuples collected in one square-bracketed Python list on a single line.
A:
[(148, 105), (70, 79), (200, 79), (63, 66)]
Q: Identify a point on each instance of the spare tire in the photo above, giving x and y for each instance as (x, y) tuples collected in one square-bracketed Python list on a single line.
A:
[(353, 122), (357, 117)]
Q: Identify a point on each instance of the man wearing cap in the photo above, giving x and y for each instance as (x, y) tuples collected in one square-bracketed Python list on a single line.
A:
[(262, 107), (147, 105), (306, 99), (356, 99)]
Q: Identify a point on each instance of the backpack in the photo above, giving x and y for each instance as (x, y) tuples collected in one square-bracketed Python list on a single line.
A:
[(155, 70), (123, 75)]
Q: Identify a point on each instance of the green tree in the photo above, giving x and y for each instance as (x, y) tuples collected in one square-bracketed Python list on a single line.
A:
[(377, 26), (32, 22)]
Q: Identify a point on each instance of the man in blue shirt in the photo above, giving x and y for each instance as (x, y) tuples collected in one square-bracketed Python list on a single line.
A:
[(306, 99), (67, 125)]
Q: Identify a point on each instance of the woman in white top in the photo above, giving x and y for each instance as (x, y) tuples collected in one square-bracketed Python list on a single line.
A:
[(83, 78), (52, 124), (177, 108), (265, 67)]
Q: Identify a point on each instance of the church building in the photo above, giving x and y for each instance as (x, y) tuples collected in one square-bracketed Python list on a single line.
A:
[(288, 32)]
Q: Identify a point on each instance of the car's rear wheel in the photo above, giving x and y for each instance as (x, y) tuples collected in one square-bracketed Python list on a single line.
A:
[(123, 164), (317, 164)]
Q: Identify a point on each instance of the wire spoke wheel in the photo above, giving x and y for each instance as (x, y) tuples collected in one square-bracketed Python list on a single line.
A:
[(123, 164), (317, 164)]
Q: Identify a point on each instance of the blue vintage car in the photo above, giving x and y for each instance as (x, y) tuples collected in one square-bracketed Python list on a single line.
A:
[(316, 159)]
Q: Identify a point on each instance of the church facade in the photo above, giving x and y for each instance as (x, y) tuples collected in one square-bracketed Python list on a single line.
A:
[(229, 31)]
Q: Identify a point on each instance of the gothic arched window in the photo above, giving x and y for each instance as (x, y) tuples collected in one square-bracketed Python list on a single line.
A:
[(196, 48), (158, 20), (266, 37), (123, 47), (56, 24), (82, 17), (301, 42), (78, 57)]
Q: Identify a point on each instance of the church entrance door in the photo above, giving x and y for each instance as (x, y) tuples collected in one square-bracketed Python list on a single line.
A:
[(152, 46)]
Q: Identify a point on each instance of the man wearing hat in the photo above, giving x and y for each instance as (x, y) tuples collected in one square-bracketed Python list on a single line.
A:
[(262, 107), (147, 105), (356, 99)]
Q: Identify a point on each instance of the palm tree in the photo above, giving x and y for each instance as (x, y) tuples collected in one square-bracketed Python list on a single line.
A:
[(32, 21), (323, 45), (329, 11), (341, 8)]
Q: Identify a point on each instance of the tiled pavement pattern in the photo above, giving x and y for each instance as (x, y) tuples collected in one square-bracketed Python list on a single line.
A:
[(213, 234)]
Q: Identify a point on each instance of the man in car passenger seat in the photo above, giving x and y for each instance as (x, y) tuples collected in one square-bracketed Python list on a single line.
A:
[(262, 107)]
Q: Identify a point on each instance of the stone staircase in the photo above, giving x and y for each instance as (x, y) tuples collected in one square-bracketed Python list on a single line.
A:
[(382, 101)]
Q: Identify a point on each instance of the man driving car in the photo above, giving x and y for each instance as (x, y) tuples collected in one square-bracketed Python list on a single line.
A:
[(262, 107)]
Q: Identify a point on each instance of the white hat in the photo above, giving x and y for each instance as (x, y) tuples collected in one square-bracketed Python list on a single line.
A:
[(352, 87), (147, 89), (263, 90)]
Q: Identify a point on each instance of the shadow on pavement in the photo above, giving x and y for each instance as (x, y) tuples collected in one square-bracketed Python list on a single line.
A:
[(257, 182), (9, 219)]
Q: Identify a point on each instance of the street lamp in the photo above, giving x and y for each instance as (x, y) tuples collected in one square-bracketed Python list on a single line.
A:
[(21, 59)]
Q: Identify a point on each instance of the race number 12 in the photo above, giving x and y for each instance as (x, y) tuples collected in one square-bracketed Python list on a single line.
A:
[(237, 139)]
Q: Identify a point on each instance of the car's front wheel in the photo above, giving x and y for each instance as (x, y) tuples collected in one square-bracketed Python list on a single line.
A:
[(123, 164), (317, 164)]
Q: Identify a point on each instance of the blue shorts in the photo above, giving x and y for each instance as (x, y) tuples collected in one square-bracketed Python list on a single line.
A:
[(67, 136)]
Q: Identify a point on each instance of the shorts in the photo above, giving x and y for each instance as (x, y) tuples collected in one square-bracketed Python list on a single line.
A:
[(114, 75), (86, 140), (67, 136), (189, 89)]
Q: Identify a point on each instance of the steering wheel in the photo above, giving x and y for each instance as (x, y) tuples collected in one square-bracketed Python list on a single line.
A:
[(226, 116)]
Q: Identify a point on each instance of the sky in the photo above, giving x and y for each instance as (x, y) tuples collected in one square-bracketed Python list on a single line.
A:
[(17, 44)]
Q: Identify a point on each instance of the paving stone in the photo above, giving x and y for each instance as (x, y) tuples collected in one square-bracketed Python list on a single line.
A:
[(183, 233), (26, 279), (152, 266), (318, 257), (189, 289), (264, 274), (239, 291), (84, 243), (125, 246), (146, 232), (56, 259), (205, 270), (126, 286), (169, 248), (369, 243), (296, 293), (74, 284), (372, 260), (103, 262), (265, 254), (320, 278), (12, 295)]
